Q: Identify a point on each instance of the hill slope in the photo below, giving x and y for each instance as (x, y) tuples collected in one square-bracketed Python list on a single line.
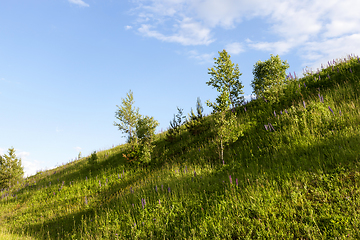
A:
[(295, 173)]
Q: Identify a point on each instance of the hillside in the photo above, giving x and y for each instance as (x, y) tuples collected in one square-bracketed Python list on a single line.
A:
[(294, 173)]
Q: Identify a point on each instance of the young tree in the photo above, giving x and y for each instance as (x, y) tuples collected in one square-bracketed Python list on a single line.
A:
[(11, 169), (145, 131), (199, 110), (145, 127), (128, 116), (269, 76), (195, 122), (225, 78)]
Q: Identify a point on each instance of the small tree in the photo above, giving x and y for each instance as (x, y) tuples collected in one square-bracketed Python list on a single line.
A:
[(145, 132), (195, 122), (269, 76), (225, 78), (11, 169), (225, 126), (175, 125), (128, 116)]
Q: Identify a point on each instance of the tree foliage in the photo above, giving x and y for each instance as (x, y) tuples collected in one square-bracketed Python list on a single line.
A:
[(11, 169), (175, 125), (195, 122), (227, 130), (145, 128), (128, 116), (269, 76), (225, 78)]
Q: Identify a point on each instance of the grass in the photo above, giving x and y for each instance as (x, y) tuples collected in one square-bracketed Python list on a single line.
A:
[(293, 174)]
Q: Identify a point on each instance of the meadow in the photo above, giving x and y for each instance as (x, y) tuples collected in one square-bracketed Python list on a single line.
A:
[(294, 173)]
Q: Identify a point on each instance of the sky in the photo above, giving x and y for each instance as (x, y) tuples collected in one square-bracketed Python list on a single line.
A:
[(66, 64)]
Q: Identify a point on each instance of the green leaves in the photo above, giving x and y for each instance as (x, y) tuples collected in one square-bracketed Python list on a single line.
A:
[(225, 78), (269, 77), (128, 116), (11, 170), (145, 127)]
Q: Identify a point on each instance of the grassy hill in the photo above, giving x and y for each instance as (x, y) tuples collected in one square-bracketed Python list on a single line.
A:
[(294, 173)]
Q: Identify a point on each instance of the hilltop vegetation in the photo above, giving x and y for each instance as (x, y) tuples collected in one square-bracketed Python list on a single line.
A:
[(293, 172)]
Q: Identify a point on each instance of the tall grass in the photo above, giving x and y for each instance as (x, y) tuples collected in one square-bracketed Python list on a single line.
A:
[(295, 173)]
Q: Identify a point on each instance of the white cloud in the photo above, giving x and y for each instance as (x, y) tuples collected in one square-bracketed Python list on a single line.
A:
[(202, 58), (22, 155), (79, 2), (294, 25), (187, 33), (128, 27), (77, 149), (234, 48), (31, 167)]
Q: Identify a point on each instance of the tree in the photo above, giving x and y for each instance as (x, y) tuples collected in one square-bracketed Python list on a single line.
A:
[(199, 110), (195, 122), (11, 169), (225, 78), (145, 127), (175, 125), (145, 131), (269, 76), (227, 130), (128, 117)]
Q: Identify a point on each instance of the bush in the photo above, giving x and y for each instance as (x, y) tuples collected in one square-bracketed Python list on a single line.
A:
[(93, 158)]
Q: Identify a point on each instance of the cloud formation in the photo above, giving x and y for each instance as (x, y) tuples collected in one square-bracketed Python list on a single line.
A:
[(234, 48), (79, 2), (314, 29)]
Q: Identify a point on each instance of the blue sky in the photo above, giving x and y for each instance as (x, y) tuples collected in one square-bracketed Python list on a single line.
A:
[(66, 64)]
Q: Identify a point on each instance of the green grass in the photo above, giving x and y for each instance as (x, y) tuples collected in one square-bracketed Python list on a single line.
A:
[(300, 181)]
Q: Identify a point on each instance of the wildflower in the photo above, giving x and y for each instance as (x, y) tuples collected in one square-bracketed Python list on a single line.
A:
[(156, 188), (194, 174), (281, 112), (86, 202), (266, 127), (274, 113), (245, 109), (340, 112), (143, 202), (337, 69), (358, 59), (237, 183), (304, 104), (319, 77), (230, 179), (223, 163), (304, 84), (332, 68), (286, 111), (331, 110), (169, 189), (118, 176), (106, 181), (99, 183), (162, 187), (159, 202), (272, 127), (328, 76), (295, 75), (350, 70)]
